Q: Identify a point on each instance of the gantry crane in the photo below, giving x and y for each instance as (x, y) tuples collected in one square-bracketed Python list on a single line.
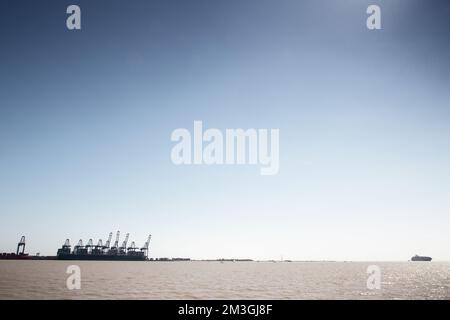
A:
[(115, 247), (108, 242), (123, 248), (98, 249), (132, 247), (21, 244), (66, 246), (79, 248), (144, 249), (89, 245)]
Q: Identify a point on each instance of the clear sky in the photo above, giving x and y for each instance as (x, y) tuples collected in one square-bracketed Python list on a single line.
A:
[(364, 118)]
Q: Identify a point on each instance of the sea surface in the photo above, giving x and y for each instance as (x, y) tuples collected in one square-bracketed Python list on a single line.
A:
[(227, 280)]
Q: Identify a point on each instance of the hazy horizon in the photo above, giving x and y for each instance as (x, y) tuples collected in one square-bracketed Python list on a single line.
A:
[(364, 117)]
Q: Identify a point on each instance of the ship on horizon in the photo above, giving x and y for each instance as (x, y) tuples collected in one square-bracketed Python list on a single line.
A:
[(420, 258)]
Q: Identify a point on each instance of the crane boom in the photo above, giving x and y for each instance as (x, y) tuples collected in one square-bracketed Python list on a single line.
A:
[(145, 247), (108, 242), (21, 244), (148, 241), (116, 243), (123, 248), (124, 243)]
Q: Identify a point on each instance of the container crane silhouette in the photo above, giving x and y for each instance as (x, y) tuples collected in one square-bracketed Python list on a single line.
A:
[(123, 248), (144, 249), (108, 242), (20, 245)]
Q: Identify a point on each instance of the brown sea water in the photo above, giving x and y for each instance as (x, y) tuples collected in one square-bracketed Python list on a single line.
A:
[(228, 280)]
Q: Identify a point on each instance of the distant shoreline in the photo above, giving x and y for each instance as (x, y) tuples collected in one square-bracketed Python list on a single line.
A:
[(223, 260)]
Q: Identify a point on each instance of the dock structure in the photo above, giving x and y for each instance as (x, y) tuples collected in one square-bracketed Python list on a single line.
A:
[(104, 252), (19, 254)]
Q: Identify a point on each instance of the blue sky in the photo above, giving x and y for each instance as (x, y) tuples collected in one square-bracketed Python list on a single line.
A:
[(86, 118)]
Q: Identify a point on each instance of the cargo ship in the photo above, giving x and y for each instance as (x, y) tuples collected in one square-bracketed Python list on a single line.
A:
[(104, 252), (20, 252), (420, 258)]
